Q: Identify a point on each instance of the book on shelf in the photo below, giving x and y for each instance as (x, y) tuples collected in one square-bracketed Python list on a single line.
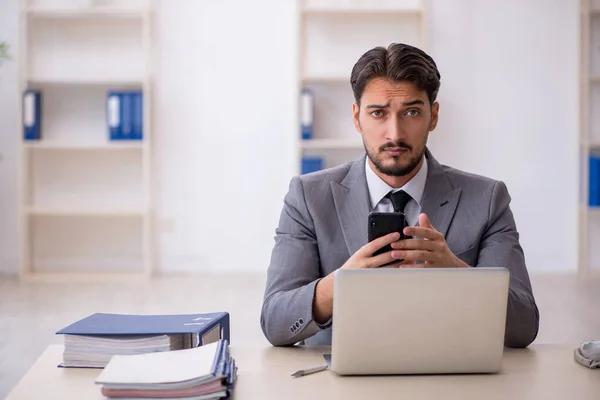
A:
[(125, 115), (32, 115), (594, 181), (207, 372), (311, 164), (92, 341)]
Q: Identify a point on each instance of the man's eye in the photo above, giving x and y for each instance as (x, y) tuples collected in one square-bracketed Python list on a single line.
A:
[(413, 113), (377, 113)]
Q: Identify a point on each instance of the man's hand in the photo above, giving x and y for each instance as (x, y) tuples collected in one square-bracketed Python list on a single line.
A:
[(432, 249), (363, 258)]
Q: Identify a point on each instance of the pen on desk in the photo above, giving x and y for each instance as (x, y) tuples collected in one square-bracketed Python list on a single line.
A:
[(311, 370)]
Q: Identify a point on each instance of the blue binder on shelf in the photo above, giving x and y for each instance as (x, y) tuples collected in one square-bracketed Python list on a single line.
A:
[(594, 181), (32, 115), (311, 164), (307, 113), (125, 115)]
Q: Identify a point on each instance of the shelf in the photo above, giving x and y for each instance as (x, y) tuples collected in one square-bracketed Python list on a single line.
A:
[(327, 80), (62, 276), (333, 144), (86, 51), (339, 11), (86, 12), (593, 211), (108, 81), (86, 212), (108, 146), (85, 200)]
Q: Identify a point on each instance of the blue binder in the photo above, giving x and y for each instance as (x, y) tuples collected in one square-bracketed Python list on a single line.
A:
[(594, 181), (307, 113), (32, 115), (124, 113), (101, 324), (311, 164)]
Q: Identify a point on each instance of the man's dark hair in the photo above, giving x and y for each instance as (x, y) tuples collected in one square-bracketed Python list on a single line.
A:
[(399, 62)]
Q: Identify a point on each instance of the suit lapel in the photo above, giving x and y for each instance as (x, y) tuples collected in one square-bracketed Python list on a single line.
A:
[(351, 200), (440, 199)]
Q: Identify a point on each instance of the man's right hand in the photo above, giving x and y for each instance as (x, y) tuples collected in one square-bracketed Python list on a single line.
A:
[(363, 258)]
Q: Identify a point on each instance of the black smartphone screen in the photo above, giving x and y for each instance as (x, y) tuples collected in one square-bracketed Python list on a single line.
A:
[(383, 223)]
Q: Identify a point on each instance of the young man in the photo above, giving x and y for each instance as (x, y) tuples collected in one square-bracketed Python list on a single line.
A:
[(458, 219)]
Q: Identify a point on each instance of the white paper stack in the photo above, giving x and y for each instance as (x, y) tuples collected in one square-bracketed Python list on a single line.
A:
[(96, 351), (201, 373)]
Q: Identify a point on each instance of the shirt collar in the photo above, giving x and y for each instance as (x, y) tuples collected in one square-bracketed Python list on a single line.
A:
[(378, 189)]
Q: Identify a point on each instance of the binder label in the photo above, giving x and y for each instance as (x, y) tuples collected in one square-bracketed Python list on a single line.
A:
[(307, 108), (29, 110), (113, 111)]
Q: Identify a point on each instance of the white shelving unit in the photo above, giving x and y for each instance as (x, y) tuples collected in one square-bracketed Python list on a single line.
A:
[(589, 138), (85, 200), (332, 35)]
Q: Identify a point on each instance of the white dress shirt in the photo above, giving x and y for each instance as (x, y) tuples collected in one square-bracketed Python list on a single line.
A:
[(378, 189)]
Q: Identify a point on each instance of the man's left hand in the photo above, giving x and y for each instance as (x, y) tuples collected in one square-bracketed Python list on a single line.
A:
[(432, 249)]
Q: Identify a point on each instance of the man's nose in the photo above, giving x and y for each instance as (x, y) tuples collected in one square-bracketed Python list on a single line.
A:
[(395, 131)]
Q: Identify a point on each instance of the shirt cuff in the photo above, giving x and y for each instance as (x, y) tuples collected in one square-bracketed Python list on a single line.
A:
[(326, 324)]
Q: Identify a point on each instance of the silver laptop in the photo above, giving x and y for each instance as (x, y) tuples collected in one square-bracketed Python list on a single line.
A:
[(418, 320)]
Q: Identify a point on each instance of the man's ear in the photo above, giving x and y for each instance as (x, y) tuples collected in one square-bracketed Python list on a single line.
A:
[(435, 109), (355, 117)]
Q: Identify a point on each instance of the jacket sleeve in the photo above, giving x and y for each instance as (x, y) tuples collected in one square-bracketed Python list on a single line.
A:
[(293, 273), (500, 248)]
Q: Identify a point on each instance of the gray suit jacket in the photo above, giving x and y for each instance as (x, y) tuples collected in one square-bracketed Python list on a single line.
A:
[(324, 221)]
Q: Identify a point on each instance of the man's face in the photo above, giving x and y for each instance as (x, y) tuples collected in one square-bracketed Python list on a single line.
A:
[(394, 120)]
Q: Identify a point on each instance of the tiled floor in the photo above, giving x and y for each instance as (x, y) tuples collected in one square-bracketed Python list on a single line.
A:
[(30, 313)]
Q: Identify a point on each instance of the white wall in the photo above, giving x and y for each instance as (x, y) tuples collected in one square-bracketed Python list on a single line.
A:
[(225, 106), (224, 111), (8, 142), (509, 110)]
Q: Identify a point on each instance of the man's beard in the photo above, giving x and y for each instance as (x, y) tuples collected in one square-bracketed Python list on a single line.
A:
[(396, 169)]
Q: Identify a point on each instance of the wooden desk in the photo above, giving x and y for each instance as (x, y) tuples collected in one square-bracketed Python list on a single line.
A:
[(540, 372)]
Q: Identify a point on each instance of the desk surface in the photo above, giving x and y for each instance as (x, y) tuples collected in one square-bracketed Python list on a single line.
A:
[(540, 372)]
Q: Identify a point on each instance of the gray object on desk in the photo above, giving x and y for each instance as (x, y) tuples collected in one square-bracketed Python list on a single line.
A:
[(588, 354), (371, 339)]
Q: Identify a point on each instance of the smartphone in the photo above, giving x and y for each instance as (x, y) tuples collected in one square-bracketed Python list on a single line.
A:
[(383, 223)]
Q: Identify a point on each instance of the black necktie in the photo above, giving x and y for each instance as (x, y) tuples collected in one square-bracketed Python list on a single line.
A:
[(399, 200)]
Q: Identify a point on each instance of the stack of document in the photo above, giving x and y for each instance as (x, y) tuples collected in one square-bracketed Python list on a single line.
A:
[(202, 373), (96, 351), (92, 341)]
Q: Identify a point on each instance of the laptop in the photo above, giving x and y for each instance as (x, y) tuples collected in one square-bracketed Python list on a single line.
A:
[(418, 320)]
